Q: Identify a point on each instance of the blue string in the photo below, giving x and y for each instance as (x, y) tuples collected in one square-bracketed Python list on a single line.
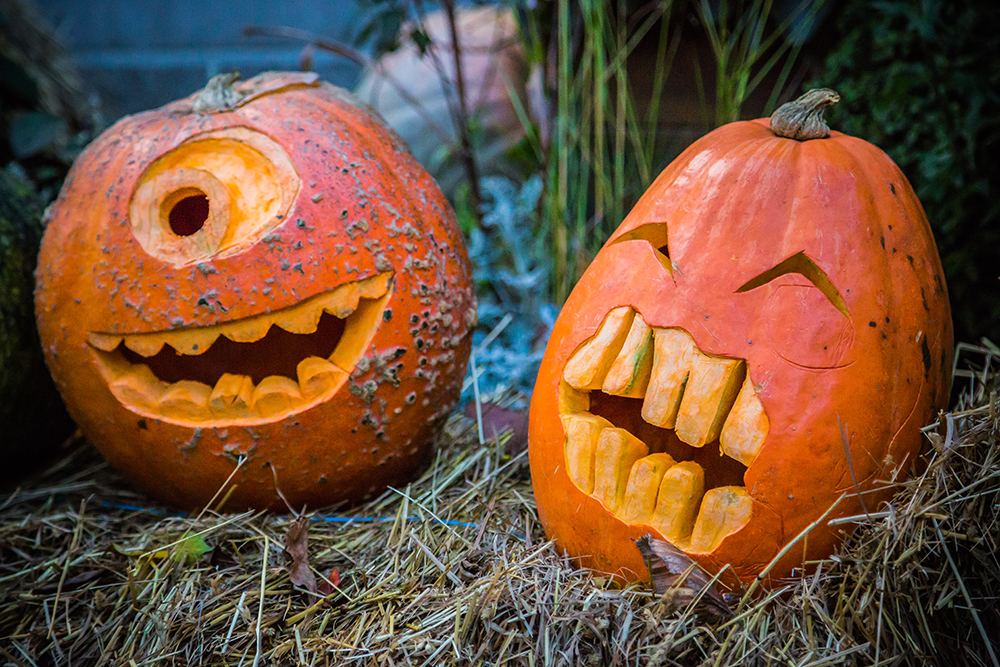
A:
[(327, 519)]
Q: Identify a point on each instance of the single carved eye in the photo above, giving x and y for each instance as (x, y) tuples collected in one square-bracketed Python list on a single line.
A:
[(656, 234), (212, 196), (805, 316)]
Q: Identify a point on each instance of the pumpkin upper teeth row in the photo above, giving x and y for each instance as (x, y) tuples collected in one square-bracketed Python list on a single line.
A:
[(702, 397), (235, 399)]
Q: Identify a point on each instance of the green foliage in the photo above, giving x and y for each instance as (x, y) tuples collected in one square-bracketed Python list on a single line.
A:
[(921, 80)]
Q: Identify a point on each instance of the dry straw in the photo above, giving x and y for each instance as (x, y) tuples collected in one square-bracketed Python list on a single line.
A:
[(455, 569)]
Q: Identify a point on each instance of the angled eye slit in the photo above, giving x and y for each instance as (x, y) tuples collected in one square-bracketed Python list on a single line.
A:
[(801, 264), (655, 233)]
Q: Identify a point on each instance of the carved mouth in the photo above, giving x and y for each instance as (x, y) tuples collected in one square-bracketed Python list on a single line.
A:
[(260, 368), (661, 432)]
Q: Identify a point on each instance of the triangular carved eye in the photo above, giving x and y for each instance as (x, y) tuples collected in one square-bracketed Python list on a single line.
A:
[(655, 233), (801, 264)]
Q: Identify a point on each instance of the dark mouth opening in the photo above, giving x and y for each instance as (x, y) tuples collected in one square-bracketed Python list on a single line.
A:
[(277, 353), (626, 413)]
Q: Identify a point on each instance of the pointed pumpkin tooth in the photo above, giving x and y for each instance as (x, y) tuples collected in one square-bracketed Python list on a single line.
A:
[(145, 346), (590, 363), (582, 433), (746, 427), (358, 331), (302, 320), (374, 287), (708, 397), (317, 377), (616, 453), (643, 485), (186, 400), (276, 395), (343, 301), (231, 396), (629, 374), (724, 510), (192, 342), (136, 386), (673, 350), (677, 501), (103, 341), (248, 330)]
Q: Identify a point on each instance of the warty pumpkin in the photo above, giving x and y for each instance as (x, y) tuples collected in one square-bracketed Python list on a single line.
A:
[(760, 341), (257, 284)]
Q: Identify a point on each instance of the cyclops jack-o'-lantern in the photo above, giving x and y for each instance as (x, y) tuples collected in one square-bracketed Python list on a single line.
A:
[(760, 340), (257, 283)]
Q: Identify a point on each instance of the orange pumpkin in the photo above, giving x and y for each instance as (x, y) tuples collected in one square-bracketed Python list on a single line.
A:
[(766, 332), (259, 283)]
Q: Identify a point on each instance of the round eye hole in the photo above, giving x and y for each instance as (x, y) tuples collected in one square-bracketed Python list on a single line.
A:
[(188, 214), (214, 195)]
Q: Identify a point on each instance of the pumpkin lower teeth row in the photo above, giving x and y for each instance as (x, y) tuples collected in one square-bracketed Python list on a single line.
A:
[(704, 399), (235, 398)]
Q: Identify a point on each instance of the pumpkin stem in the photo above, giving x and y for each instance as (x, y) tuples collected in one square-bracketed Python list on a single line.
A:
[(219, 94), (802, 119)]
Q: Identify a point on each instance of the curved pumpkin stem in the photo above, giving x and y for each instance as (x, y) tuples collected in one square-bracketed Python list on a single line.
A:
[(802, 119), (218, 95)]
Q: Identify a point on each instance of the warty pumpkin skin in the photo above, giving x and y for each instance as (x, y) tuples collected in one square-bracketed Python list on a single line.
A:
[(807, 268), (261, 277)]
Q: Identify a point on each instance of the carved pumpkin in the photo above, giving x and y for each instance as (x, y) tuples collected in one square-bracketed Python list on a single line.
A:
[(766, 331), (256, 277)]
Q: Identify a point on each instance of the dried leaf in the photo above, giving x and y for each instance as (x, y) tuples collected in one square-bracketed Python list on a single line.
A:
[(297, 548), (498, 420), (680, 580), (328, 585)]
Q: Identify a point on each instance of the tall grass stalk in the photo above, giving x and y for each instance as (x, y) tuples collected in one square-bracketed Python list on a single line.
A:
[(738, 36), (601, 147), (605, 148)]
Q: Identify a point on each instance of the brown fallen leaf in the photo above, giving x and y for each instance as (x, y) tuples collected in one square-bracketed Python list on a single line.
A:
[(297, 548), (680, 580), (498, 420)]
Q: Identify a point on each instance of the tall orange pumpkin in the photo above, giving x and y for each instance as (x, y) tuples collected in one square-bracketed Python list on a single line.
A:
[(257, 284), (760, 340)]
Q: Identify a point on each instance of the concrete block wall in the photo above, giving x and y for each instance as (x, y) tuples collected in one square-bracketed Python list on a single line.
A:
[(139, 55)]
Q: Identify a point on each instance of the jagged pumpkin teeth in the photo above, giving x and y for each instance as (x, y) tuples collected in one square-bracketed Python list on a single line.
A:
[(673, 350), (186, 399), (275, 395), (193, 341), (643, 485), (318, 376), (343, 301), (231, 395), (248, 330), (104, 342), (583, 430), (589, 365), (299, 321), (746, 427), (709, 394), (145, 346), (724, 510), (616, 453), (677, 500), (138, 384), (629, 373)]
